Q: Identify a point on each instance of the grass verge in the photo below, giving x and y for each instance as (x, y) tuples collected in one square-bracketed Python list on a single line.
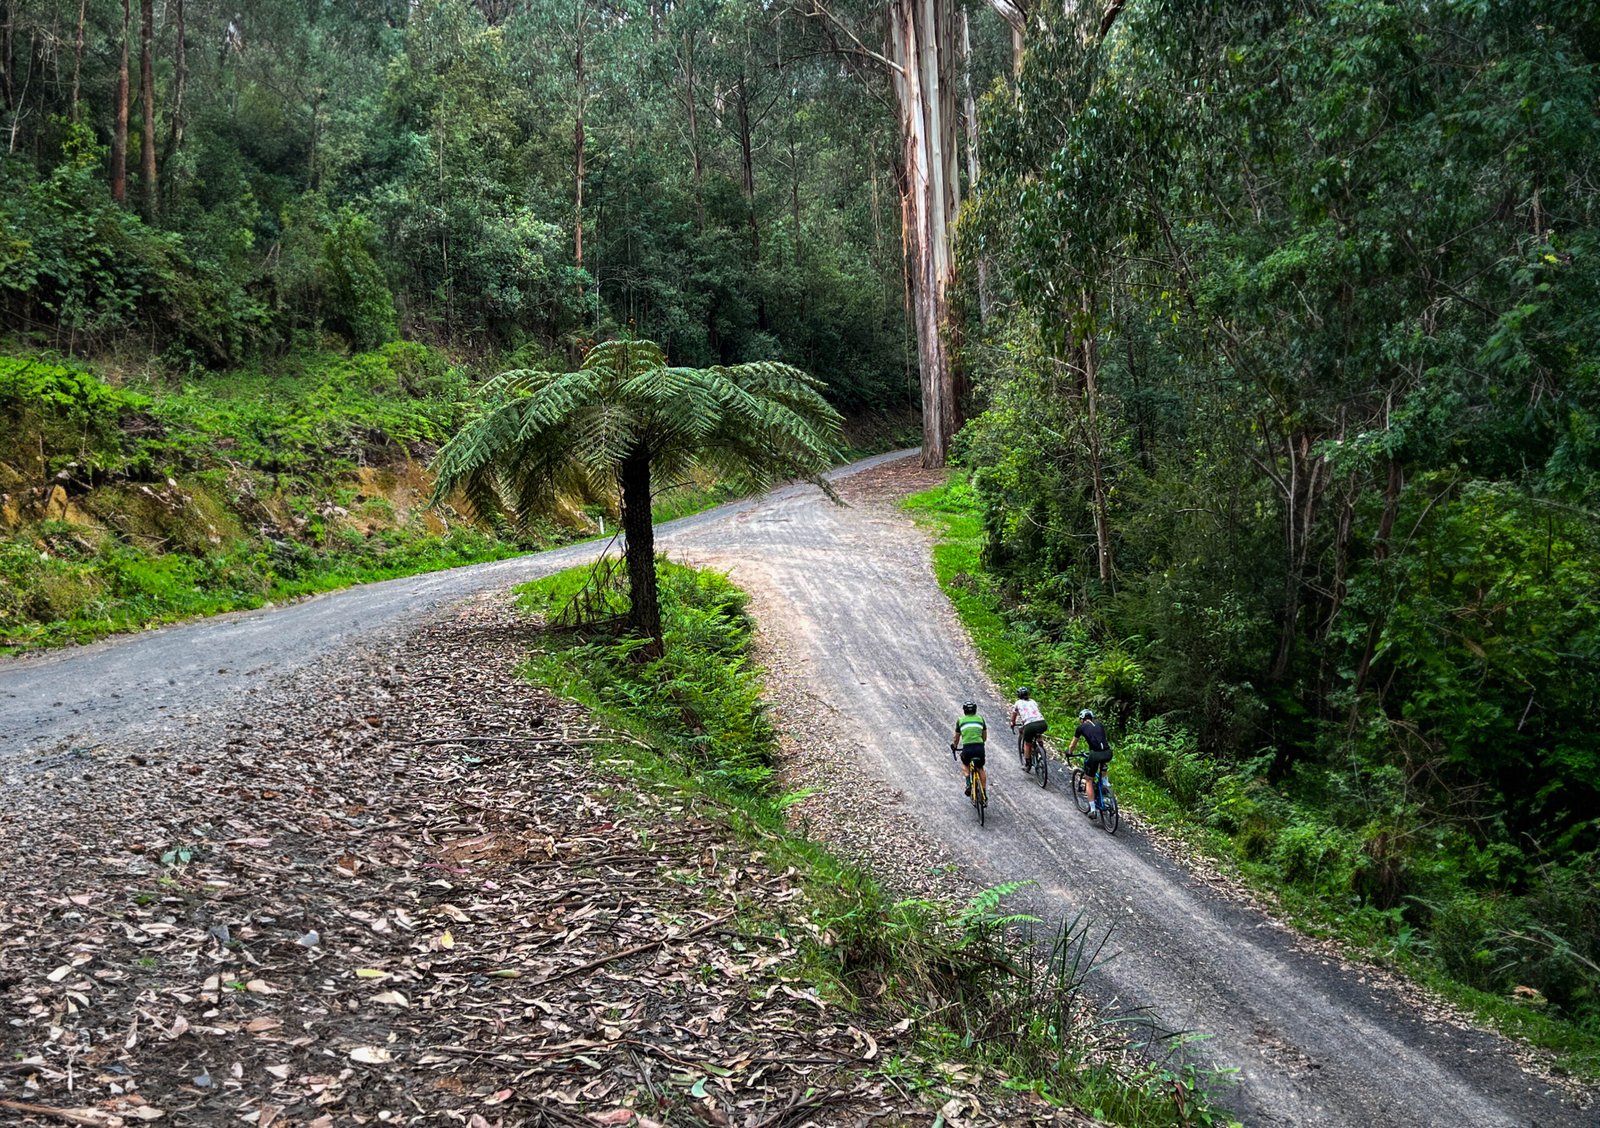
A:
[(974, 994), (1274, 846)]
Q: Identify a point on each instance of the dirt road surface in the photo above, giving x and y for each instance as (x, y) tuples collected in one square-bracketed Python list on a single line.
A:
[(847, 598)]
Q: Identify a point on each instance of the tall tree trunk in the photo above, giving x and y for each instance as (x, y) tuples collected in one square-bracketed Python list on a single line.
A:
[(644, 606), (922, 38), (794, 198), (7, 60), (1380, 553), (119, 135), (180, 83), (747, 166), (969, 113), (577, 133), (1302, 489), (1091, 406), (77, 56), (691, 99), (147, 99)]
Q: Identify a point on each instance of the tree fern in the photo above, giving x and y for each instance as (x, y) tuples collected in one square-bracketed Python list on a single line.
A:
[(624, 418)]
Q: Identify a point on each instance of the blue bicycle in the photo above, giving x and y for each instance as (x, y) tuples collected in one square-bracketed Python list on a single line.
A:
[(1110, 816)]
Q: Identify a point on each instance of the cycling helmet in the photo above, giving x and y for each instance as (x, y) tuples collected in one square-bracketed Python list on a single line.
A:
[(970, 707), (1022, 694), (1085, 714)]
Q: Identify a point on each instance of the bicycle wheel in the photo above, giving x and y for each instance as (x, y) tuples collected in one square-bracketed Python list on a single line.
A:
[(1041, 761), (980, 797), (1109, 815), (1078, 796)]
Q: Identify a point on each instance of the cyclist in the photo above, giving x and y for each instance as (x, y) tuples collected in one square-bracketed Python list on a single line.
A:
[(1097, 754), (971, 731), (1026, 712)]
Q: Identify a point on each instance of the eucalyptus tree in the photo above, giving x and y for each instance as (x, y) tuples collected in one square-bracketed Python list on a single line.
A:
[(624, 420)]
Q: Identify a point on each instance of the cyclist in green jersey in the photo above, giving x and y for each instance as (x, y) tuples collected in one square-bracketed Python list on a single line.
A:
[(971, 731)]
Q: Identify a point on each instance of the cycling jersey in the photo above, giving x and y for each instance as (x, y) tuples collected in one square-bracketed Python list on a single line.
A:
[(1094, 735), (970, 729), (1027, 710)]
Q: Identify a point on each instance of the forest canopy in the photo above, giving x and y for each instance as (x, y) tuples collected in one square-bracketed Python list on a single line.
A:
[(222, 180)]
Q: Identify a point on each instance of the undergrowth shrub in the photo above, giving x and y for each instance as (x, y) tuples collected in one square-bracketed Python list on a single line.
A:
[(1318, 857), (1464, 936), (701, 699), (1168, 754)]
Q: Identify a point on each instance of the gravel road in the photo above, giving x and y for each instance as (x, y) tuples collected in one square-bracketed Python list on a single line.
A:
[(847, 596)]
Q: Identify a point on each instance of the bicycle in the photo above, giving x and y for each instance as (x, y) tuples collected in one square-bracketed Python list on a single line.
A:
[(977, 791), (1041, 758), (1110, 814)]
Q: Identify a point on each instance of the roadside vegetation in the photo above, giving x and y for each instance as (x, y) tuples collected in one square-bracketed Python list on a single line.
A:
[(146, 499), (131, 500), (1502, 928), (695, 720)]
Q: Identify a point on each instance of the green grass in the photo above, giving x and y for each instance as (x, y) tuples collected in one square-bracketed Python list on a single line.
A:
[(1255, 832), (700, 720), (78, 593)]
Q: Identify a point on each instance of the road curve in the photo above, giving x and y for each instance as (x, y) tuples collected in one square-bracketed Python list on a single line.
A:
[(159, 683), (1313, 1043)]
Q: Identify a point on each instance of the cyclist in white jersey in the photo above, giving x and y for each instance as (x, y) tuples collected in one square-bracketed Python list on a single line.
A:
[(1025, 711)]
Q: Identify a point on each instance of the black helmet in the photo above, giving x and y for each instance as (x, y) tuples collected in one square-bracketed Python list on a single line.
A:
[(970, 707), (1022, 693), (1086, 714)]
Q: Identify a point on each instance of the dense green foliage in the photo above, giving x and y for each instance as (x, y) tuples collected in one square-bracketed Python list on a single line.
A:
[(1295, 310), (374, 169), (538, 435)]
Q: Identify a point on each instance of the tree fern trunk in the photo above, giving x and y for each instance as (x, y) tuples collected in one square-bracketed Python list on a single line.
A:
[(644, 611)]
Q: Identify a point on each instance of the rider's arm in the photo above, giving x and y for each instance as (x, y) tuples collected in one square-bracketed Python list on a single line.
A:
[(1013, 716)]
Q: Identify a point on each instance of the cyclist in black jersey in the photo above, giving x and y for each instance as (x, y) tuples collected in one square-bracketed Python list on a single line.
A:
[(1096, 756)]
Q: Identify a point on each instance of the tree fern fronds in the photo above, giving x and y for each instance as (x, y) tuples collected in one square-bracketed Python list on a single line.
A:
[(540, 435)]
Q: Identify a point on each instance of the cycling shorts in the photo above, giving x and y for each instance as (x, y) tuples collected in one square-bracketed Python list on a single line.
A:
[(1094, 761), (972, 754), (1033, 729)]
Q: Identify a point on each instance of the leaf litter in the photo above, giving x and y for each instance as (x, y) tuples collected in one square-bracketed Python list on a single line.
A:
[(396, 889)]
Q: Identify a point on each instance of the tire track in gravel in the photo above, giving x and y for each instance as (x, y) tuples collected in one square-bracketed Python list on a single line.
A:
[(849, 604), (847, 595)]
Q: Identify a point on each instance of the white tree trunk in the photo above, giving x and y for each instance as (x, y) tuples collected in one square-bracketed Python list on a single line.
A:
[(923, 48)]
